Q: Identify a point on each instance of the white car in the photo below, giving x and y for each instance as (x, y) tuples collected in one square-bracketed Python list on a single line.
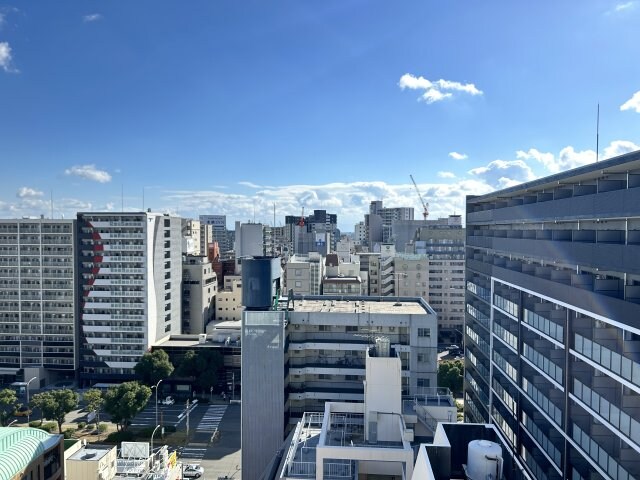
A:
[(192, 471), (167, 401)]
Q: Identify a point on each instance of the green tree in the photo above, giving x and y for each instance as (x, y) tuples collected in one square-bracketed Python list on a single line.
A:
[(153, 367), (56, 404), (202, 366), (125, 401), (450, 375), (8, 403), (94, 400)]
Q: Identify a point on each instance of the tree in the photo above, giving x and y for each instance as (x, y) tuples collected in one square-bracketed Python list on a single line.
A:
[(56, 404), (154, 366), (8, 403), (94, 400), (450, 375), (125, 401), (202, 366)]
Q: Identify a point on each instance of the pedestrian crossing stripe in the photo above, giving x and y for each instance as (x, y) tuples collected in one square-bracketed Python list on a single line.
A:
[(212, 418)]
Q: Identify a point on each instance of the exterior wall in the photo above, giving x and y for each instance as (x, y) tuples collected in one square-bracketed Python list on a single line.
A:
[(130, 269), (86, 469), (263, 419), (229, 300), (304, 274), (199, 288), (551, 330), (37, 297)]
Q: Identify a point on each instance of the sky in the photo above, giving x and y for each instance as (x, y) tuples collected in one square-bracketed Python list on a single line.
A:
[(234, 107)]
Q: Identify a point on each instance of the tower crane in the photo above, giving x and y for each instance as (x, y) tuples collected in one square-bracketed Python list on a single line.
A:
[(425, 206)]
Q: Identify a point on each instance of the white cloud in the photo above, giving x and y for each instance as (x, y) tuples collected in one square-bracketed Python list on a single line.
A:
[(619, 147), (567, 159), (6, 60), (94, 17), (435, 91), (89, 172), (624, 6), (446, 175), (504, 173), (633, 103), (26, 192), (458, 156)]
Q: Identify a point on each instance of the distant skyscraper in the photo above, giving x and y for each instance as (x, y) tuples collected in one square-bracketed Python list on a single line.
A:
[(552, 332), (37, 301), (130, 273), (220, 234)]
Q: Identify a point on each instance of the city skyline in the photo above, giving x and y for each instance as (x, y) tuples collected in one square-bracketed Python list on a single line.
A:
[(227, 109)]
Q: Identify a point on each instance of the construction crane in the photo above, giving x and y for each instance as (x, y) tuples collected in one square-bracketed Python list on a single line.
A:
[(425, 206)]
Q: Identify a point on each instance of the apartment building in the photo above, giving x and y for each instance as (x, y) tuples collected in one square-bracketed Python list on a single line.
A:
[(551, 332), (37, 301), (229, 299), (199, 288), (220, 234), (130, 274), (304, 274)]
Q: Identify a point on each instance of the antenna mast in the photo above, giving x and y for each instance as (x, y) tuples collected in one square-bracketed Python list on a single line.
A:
[(598, 134)]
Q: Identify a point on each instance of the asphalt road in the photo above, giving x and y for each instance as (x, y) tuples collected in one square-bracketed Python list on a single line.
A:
[(220, 456)]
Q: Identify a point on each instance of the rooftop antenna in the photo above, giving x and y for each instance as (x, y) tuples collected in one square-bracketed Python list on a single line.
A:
[(598, 133)]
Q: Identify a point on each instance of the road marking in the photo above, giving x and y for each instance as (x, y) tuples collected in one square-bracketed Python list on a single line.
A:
[(211, 419)]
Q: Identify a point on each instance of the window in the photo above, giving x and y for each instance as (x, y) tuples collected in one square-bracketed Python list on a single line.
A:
[(424, 332), (351, 328), (422, 357), (423, 382), (298, 284), (324, 328)]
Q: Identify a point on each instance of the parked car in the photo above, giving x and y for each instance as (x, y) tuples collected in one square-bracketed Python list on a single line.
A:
[(23, 411), (167, 401), (192, 471)]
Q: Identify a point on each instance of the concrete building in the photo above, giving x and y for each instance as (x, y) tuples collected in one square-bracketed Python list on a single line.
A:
[(317, 232), (31, 453), (551, 330), (370, 273), (191, 241), (328, 337), (37, 301), (91, 463), (249, 242), (219, 230), (304, 274), (229, 299), (360, 233), (130, 274), (199, 288)]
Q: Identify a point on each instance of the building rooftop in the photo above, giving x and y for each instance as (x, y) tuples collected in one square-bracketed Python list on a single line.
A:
[(358, 304), (90, 454), (21, 446)]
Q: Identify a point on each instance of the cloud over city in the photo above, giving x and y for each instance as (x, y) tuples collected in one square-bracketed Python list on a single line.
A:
[(435, 91), (633, 103), (89, 172)]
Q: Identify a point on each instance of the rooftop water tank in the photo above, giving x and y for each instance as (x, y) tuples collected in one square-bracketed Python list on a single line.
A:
[(484, 460)]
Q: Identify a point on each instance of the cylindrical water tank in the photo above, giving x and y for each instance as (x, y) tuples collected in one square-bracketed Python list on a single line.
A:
[(383, 346), (258, 275), (484, 460)]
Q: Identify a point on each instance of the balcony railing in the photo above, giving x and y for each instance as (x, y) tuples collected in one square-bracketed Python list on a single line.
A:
[(609, 359), (600, 455), (544, 325), (543, 363)]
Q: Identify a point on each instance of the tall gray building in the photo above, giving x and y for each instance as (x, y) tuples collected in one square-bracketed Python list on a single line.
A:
[(37, 300), (130, 273), (552, 334), (220, 234)]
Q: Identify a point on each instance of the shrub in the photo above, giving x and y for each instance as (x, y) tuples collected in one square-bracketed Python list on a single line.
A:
[(69, 432), (117, 437), (102, 427), (49, 427), (34, 424), (170, 429), (81, 425)]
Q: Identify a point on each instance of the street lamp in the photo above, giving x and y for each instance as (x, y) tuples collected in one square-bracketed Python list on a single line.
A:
[(156, 387), (14, 421), (29, 411), (154, 432)]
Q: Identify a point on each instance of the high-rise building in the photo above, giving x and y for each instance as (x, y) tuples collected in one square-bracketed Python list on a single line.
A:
[(220, 234), (304, 274), (552, 339), (130, 274), (199, 287), (37, 301), (191, 232)]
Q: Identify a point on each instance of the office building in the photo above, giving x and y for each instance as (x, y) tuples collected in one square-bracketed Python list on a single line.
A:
[(304, 273), (219, 231), (551, 332), (229, 299), (249, 242), (37, 301), (191, 236), (199, 288), (130, 275)]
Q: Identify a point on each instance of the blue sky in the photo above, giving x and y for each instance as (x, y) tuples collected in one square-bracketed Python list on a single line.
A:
[(230, 107)]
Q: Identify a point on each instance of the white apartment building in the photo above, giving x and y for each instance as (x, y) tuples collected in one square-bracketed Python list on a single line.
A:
[(37, 301), (229, 299), (190, 236), (249, 242), (304, 273), (130, 271), (199, 288)]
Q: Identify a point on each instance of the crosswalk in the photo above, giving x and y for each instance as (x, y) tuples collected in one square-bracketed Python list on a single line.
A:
[(193, 452), (211, 419)]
